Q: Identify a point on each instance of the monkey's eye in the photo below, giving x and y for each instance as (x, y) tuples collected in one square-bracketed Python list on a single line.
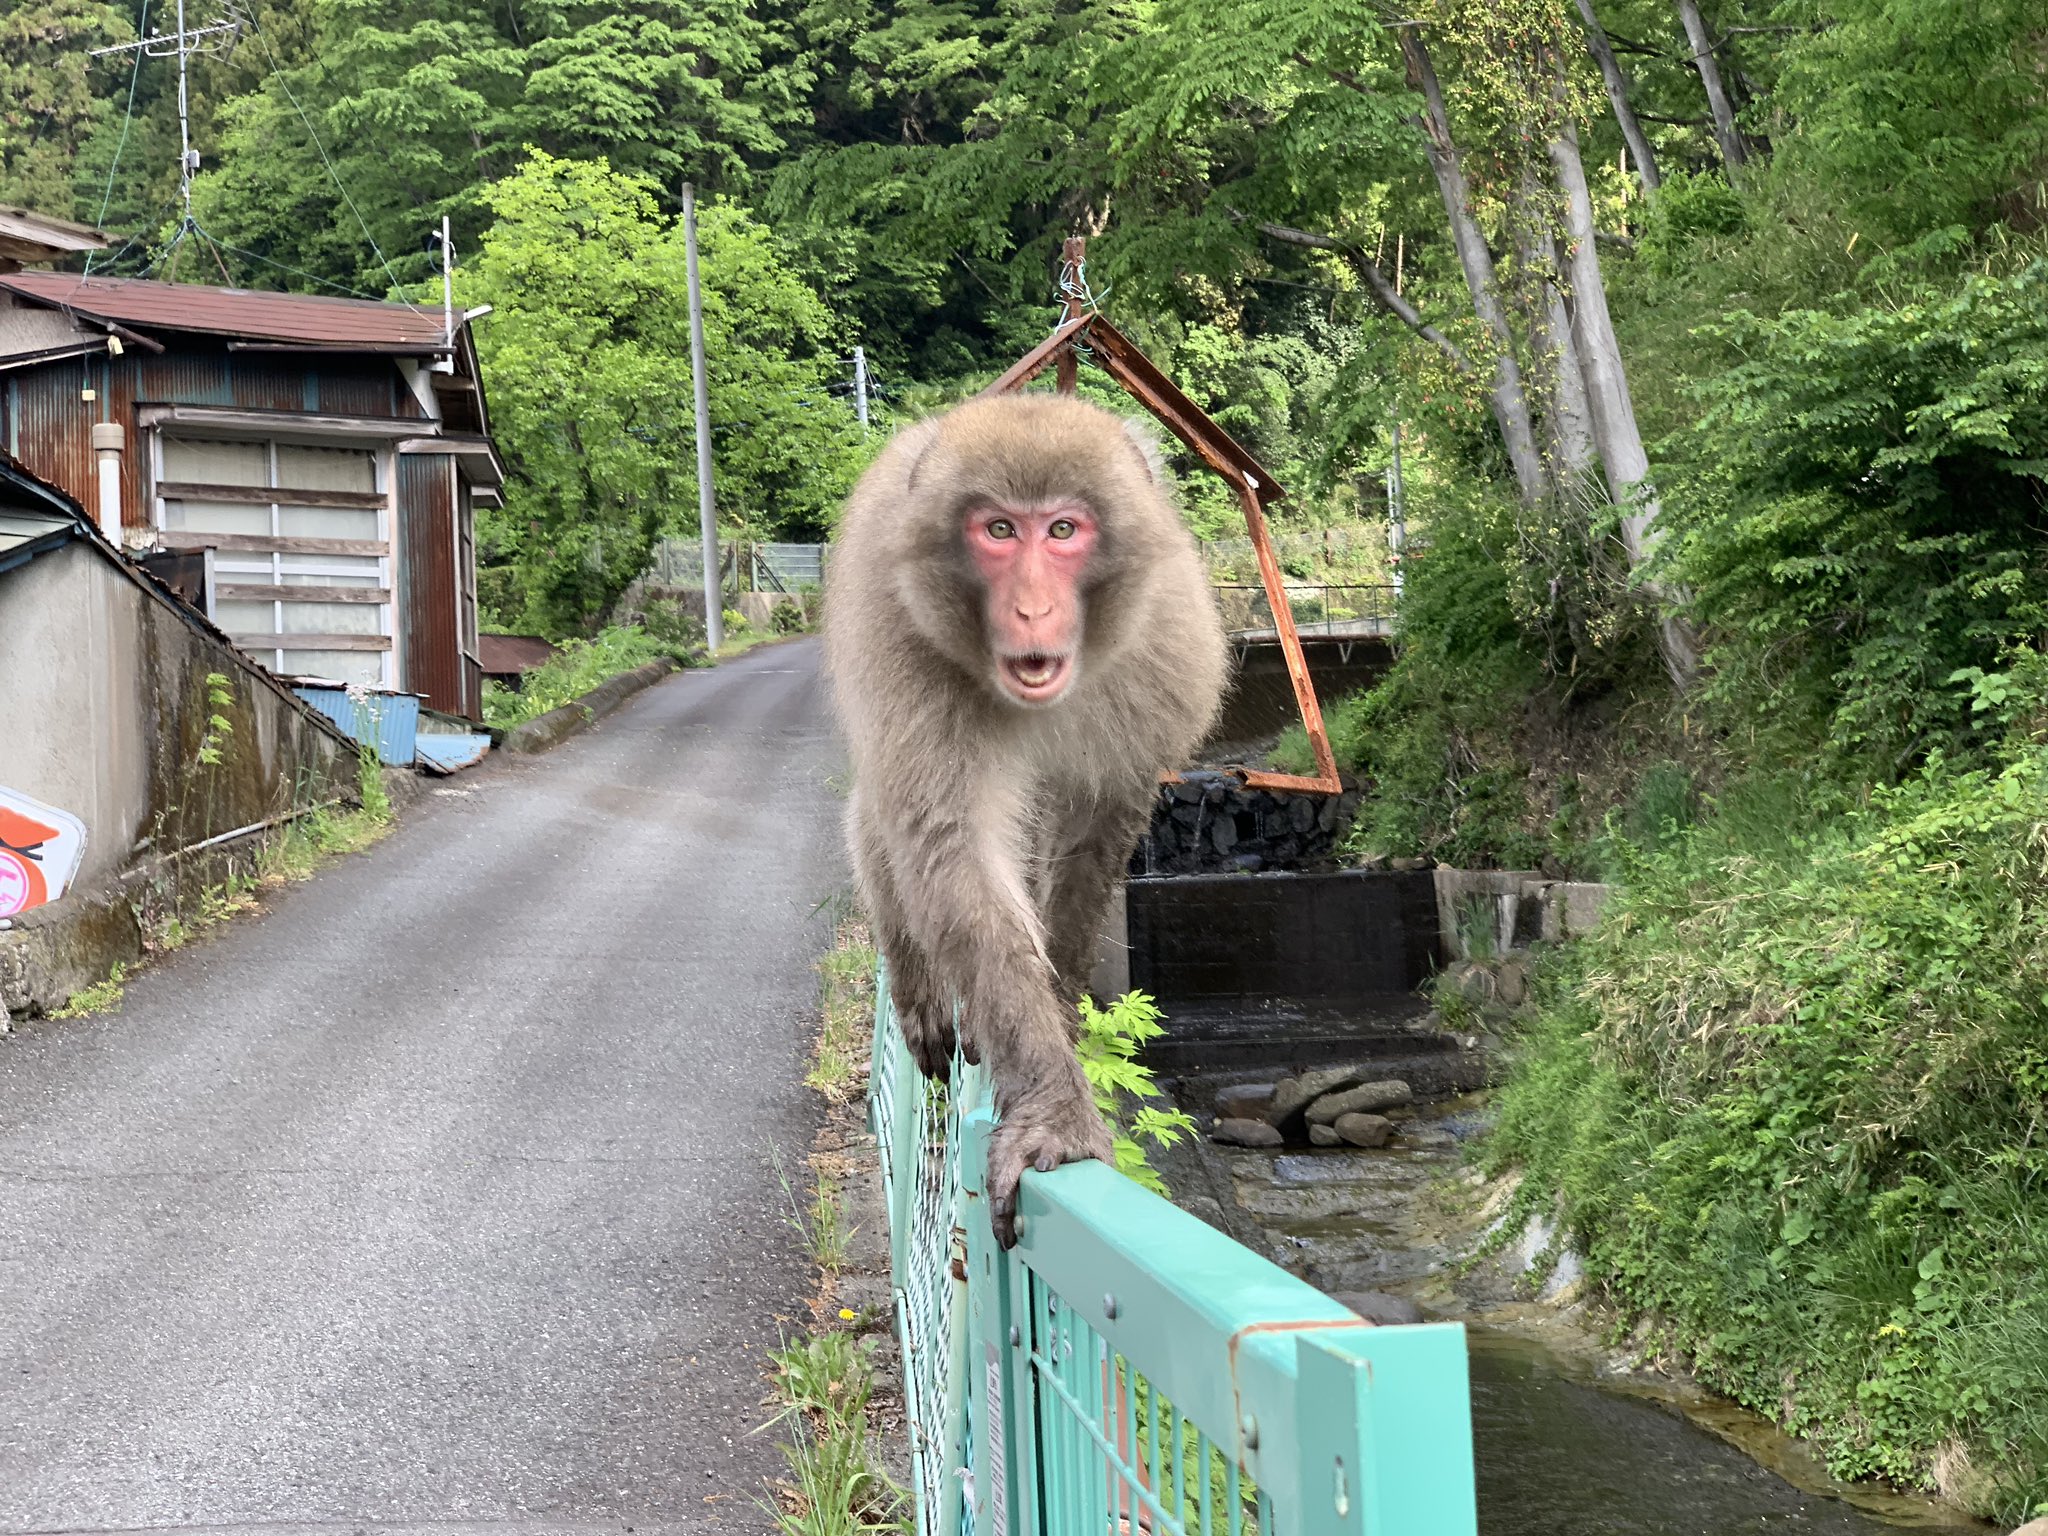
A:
[(1063, 528), (1002, 528)]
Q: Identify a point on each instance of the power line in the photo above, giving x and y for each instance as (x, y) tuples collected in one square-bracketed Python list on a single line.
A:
[(277, 73), (127, 122), (285, 266)]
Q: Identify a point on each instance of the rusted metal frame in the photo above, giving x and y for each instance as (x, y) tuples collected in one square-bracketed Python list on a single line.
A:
[(1326, 778), (1141, 379), (1032, 363)]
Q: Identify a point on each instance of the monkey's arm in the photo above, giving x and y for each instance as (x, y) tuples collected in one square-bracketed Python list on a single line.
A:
[(958, 872)]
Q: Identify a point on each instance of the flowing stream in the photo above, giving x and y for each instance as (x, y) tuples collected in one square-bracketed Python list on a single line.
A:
[(1569, 1442)]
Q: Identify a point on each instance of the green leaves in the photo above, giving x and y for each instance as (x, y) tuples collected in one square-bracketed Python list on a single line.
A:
[(1861, 504), (1792, 1094), (1110, 1040), (586, 358)]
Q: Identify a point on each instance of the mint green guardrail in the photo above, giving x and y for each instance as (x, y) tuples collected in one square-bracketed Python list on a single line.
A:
[(1126, 1368)]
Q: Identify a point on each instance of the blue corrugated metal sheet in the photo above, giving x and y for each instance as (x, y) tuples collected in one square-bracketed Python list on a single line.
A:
[(392, 720), (446, 754)]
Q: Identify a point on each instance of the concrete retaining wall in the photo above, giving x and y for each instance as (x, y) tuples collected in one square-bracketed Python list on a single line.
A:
[(105, 712), (1503, 909), (558, 725)]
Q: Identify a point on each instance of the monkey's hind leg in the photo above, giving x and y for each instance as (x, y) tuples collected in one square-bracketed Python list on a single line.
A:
[(924, 1010)]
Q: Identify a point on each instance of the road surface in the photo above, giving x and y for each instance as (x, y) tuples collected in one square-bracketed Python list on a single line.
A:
[(443, 1196)]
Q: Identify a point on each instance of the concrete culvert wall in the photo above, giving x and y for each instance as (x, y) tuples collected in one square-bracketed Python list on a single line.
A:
[(1283, 968)]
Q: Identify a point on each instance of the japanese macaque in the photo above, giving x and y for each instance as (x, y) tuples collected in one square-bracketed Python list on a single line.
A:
[(1020, 635)]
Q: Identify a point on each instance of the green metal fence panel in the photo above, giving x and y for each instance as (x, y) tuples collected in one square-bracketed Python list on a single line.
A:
[(1126, 1368)]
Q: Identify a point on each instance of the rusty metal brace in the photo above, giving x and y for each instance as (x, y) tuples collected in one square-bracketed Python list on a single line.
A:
[(1082, 328)]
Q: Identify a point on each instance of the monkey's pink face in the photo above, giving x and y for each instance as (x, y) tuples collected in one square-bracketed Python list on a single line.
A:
[(1031, 559)]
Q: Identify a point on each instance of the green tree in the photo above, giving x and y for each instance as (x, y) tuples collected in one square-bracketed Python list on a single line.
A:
[(48, 101), (418, 106), (1861, 512), (1919, 115), (586, 357)]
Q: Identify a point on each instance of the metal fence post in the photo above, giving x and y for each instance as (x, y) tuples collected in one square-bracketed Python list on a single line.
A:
[(1384, 1433), (1004, 1453)]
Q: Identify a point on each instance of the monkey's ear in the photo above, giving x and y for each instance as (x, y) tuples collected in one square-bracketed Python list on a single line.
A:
[(916, 443), (1142, 437)]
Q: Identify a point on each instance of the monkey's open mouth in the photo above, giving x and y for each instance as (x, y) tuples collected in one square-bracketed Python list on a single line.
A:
[(1036, 677)]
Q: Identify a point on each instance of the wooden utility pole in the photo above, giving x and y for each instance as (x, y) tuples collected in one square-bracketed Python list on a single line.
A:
[(707, 513), (1073, 260)]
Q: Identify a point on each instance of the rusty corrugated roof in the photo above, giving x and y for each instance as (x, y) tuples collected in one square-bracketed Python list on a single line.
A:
[(239, 313), (503, 655)]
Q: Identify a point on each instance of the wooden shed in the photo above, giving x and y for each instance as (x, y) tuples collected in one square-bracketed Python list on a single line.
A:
[(305, 469)]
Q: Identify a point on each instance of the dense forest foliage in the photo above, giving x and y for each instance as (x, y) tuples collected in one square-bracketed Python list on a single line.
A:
[(1714, 335)]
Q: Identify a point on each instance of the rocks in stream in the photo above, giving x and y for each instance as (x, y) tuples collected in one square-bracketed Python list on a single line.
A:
[(1328, 1107), (1245, 1101), (1366, 1098), (1359, 1130), (1292, 1095), (1245, 1133), (1379, 1307)]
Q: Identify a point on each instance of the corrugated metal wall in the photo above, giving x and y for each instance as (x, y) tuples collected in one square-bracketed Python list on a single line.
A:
[(425, 547), (49, 423)]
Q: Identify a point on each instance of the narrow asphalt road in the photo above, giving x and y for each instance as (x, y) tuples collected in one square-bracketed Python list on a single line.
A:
[(444, 1195)]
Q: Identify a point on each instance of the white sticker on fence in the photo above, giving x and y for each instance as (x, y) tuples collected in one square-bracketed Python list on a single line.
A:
[(40, 848), (998, 1501)]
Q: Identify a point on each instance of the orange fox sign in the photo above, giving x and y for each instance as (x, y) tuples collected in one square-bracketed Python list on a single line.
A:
[(40, 847)]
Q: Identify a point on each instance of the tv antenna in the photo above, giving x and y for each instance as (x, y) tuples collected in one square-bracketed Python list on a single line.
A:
[(216, 37)]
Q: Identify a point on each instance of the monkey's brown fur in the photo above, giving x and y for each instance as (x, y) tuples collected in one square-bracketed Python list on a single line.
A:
[(987, 837)]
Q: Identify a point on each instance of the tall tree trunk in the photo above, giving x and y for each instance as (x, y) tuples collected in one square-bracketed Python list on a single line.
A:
[(1556, 383), (1617, 93), (1613, 411), (1568, 412), (1510, 399), (1726, 134)]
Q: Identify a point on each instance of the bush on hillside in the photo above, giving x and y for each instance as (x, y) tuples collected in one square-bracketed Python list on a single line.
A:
[(1793, 1099)]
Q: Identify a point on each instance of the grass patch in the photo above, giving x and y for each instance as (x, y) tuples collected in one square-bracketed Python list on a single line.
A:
[(291, 853), (820, 1221), (100, 997), (839, 1066), (581, 666), (825, 1384)]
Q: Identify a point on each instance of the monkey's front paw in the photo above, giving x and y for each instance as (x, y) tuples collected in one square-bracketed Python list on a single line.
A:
[(928, 1031), (1040, 1137)]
